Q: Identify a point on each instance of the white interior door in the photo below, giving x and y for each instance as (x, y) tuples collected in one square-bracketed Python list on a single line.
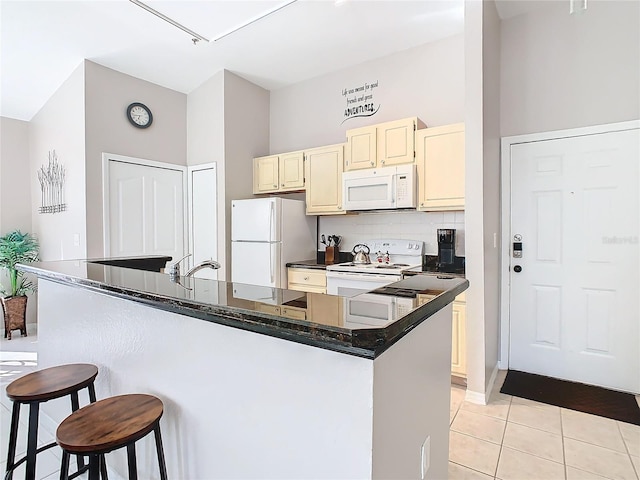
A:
[(203, 225), (144, 210), (574, 305)]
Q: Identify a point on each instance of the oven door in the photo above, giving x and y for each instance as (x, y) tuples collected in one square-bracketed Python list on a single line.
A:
[(348, 284)]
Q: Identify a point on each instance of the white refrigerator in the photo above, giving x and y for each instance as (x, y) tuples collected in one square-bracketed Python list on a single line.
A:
[(266, 234)]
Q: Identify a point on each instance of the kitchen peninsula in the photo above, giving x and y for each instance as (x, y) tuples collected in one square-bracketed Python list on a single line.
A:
[(249, 394)]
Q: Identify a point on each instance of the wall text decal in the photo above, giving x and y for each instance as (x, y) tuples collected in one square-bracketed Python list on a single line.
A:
[(360, 102)]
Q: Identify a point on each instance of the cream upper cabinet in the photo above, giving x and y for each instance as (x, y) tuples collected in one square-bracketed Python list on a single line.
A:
[(265, 174), (291, 167), (440, 161), (384, 144), (323, 171), (361, 148), (278, 173)]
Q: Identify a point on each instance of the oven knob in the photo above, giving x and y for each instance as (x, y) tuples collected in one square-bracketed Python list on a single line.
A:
[(416, 246)]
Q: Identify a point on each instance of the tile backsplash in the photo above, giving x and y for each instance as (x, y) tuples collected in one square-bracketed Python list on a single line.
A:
[(396, 224)]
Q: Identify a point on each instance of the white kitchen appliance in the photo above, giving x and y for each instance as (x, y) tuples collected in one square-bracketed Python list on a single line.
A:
[(371, 310), (266, 233), (380, 188), (397, 256)]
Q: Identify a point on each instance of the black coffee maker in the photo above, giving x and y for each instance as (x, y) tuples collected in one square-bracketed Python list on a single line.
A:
[(446, 249)]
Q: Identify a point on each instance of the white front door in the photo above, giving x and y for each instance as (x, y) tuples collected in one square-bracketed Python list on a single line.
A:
[(144, 208), (575, 292)]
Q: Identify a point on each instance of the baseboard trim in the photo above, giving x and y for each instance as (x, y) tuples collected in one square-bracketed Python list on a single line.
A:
[(492, 381), (475, 397)]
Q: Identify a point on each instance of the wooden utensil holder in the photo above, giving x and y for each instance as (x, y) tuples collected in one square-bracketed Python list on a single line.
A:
[(331, 255)]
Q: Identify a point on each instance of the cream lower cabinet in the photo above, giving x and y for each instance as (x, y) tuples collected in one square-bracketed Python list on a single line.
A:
[(440, 161), (458, 333), (325, 309), (382, 145), (295, 313), (307, 280), (278, 173), (323, 171)]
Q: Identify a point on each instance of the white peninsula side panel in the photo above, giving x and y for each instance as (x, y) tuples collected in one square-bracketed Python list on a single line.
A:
[(244, 405)]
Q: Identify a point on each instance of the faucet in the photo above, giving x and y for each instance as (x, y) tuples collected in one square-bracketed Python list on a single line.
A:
[(204, 264), (174, 268)]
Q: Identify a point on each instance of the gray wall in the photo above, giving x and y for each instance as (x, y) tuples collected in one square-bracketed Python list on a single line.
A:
[(426, 81), (15, 178), (228, 123), (246, 135), (108, 93), (564, 71)]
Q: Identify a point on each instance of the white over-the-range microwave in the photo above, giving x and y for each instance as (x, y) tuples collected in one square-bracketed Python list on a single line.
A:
[(380, 188)]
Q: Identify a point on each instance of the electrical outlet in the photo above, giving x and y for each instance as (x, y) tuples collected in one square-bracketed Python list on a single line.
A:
[(425, 457)]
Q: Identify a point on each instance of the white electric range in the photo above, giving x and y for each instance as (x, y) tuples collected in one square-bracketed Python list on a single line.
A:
[(389, 260)]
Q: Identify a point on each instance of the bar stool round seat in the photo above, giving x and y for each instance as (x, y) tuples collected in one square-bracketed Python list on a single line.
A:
[(39, 387), (108, 425)]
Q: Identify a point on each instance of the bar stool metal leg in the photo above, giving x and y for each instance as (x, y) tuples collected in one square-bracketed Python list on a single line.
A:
[(94, 467), (64, 466), (160, 451), (75, 405), (131, 460), (32, 440), (13, 439)]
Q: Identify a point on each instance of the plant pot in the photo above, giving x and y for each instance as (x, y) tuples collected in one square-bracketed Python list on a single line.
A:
[(15, 313)]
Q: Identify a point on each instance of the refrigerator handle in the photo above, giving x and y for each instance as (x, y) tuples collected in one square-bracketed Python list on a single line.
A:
[(271, 223), (271, 262)]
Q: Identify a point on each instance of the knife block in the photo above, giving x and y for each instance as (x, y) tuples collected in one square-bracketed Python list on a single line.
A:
[(331, 254)]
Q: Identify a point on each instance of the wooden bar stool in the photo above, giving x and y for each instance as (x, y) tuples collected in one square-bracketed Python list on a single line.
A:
[(108, 425), (39, 387)]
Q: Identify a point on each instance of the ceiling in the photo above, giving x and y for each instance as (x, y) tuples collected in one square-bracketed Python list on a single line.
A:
[(42, 42)]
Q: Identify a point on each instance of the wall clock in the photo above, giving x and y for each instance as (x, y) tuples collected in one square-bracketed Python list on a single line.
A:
[(139, 115)]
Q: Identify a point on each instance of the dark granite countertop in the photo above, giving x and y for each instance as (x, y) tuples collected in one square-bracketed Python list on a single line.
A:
[(240, 306)]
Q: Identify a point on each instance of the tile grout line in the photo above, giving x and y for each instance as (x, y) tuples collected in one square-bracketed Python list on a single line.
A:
[(624, 442), (564, 456)]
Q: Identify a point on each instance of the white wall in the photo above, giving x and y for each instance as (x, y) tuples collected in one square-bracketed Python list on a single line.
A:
[(474, 200), (404, 225), (15, 176), (491, 186), (426, 81), (59, 126), (108, 93), (564, 71)]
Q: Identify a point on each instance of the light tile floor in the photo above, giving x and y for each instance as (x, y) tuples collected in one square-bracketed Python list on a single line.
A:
[(513, 438), (509, 439)]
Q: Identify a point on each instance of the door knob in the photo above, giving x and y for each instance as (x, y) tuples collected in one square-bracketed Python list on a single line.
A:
[(517, 269)]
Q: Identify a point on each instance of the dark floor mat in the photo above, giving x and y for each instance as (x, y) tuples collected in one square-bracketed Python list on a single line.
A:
[(575, 396)]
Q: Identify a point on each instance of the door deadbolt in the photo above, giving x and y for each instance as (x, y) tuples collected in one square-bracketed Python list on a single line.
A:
[(517, 246), (517, 269)]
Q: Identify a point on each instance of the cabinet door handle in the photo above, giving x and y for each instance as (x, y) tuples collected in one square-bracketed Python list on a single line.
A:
[(382, 161), (372, 164), (275, 186), (306, 278), (283, 184)]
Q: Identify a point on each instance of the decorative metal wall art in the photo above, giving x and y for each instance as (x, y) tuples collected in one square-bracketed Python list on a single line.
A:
[(51, 179)]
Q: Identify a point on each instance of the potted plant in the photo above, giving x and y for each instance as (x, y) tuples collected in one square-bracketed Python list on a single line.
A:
[(16, 247)]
